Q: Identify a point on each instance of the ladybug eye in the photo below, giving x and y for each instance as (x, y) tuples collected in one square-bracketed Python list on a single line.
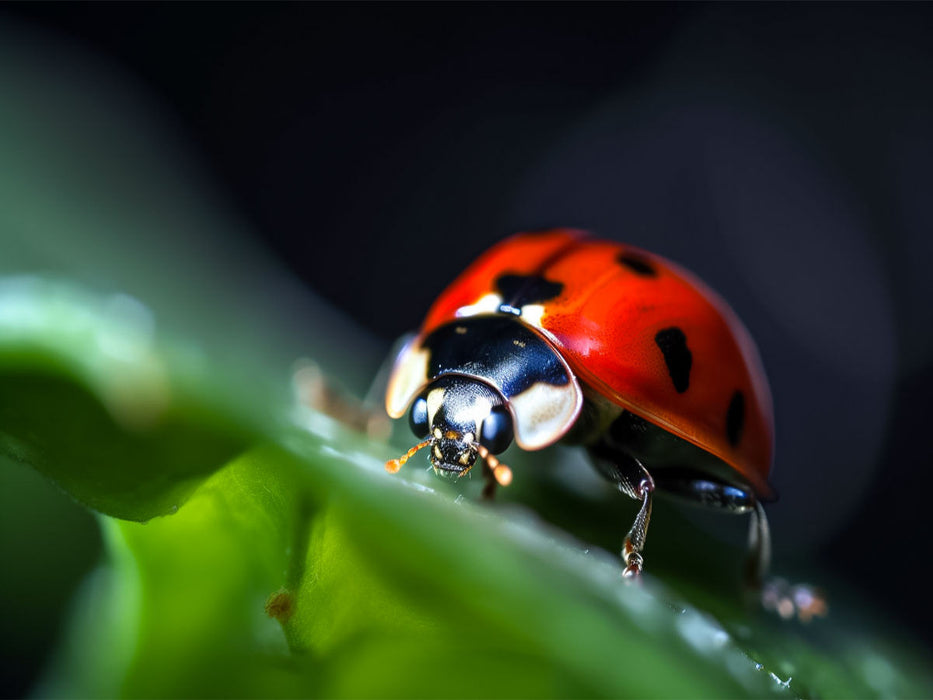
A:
[(496, 434), (418, 418)]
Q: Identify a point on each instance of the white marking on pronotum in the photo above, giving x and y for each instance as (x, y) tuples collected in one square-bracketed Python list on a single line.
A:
[(532, 314), (544, 413), (435, 400), (408, 376), (487, 304)]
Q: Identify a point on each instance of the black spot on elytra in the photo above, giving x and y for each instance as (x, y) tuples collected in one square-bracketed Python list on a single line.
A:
[(673, 345), (519, 290), (637, 264), (735, 418)]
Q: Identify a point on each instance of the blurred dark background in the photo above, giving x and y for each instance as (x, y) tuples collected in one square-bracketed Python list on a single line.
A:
[(782, 152)]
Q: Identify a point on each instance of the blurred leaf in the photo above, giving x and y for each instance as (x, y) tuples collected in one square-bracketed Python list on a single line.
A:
[(40, 569), (385, 589), (126, 424), (378, 603)]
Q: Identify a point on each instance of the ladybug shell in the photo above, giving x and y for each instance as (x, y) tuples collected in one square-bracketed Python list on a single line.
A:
[(636, 328)]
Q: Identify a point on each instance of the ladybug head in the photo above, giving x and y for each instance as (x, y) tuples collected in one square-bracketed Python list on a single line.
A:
[(460, 419)]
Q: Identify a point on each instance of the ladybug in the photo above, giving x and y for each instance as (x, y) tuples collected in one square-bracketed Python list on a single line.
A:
[(557, 336)]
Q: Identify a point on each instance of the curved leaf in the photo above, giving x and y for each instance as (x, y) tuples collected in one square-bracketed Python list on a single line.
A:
[(294, 565), (93, 398)]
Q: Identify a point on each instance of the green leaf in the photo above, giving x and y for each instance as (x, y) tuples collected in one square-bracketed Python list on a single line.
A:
[(295, 565), (285, 561), (124, 423), (378, 604)]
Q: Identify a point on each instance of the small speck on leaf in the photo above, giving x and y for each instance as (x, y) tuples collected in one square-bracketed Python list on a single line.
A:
[(280, 605)]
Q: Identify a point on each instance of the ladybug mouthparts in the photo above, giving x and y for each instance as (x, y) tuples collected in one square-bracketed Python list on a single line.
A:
[(452, 456)]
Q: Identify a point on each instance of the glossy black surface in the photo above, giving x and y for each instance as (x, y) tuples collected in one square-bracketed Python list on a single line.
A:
[(497, 434), (498, 348), (418, 417)]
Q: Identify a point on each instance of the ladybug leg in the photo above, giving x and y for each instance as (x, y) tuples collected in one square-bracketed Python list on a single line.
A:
[(759, 548), (315, 390), (489, 483), (727, 498), (635, 482), (776, 594), (635, 539)]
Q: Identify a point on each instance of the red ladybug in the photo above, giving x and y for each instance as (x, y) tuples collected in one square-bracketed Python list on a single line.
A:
[(558, 336)]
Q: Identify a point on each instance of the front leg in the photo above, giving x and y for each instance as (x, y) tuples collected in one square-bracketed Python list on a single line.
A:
[(489, 483), (635, 482)]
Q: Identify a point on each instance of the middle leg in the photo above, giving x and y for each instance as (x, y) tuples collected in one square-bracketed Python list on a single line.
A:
[(634, 481)]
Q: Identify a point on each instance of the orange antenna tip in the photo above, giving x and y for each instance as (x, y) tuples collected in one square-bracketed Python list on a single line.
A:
[(501, 473)]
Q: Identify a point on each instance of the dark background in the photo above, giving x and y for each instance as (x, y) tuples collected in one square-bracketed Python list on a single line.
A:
[(783, 152)]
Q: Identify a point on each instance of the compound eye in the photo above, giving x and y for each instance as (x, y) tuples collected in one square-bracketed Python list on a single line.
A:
[(497, 433), (418, 418)]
